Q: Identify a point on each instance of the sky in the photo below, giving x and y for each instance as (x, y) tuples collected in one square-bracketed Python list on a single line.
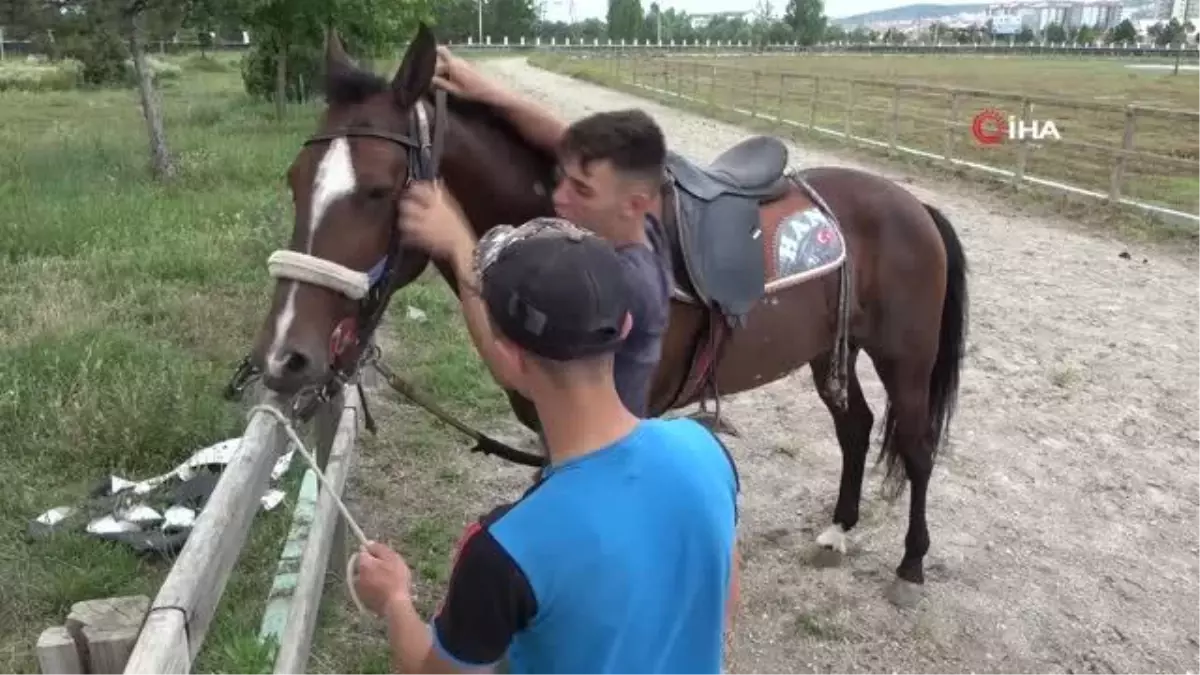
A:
[(558, 10)]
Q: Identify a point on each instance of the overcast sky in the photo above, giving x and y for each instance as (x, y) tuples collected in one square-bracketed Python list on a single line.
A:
[(558, 10)]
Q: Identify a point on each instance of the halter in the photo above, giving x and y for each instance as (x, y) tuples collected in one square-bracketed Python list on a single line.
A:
[(372, 288)]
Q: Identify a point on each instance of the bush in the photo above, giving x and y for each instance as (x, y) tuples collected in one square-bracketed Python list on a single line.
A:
[(36, 76), (102, 54), (303, 72)]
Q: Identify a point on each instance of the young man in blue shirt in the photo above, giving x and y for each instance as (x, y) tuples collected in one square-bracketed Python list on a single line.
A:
[(622, 557)]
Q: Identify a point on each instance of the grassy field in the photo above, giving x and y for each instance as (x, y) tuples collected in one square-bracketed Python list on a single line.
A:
[(818, 88), (124, 305)]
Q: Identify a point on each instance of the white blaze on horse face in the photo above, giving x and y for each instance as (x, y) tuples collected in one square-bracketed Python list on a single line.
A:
[(335, 179)]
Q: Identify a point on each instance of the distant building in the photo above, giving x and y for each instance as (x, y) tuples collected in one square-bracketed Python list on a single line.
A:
[(1009, 18), (700, 21), (1183, 10)]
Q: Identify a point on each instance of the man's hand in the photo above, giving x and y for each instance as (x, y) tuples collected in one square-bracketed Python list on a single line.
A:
[(383, 578), (430, 219), (457, 76)]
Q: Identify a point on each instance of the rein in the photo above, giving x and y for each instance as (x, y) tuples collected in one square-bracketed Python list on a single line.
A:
[(350, 342)]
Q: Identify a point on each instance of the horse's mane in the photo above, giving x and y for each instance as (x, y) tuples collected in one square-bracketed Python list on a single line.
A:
[(485, 114)]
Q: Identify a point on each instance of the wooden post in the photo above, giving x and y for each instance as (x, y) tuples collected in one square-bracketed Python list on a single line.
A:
[(951, 129), (895, 131), (779, 110), (849, 111), (754, 96), (1022, 145), (323, 556), (326, 425), (695, 79), (97, 637), (1118, 172), (183, 609), (816, 98), (712, 91), (57, 653)]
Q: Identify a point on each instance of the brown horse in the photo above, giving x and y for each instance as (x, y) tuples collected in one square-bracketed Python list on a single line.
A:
[(774, 270)]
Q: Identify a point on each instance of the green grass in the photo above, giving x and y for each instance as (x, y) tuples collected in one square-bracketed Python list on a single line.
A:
[(787, 86), (124, 305)]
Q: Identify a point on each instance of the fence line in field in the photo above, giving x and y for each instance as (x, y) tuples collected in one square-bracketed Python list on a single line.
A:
[(179, 616), (16, 49), (697, 83)]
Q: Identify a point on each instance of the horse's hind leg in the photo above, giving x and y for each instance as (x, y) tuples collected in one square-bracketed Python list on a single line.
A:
[(907, 443), (853, 426)]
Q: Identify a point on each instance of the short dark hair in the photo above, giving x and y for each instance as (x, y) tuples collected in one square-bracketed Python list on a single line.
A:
[(630, 139)]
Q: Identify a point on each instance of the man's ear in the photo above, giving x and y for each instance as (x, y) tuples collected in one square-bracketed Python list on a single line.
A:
[(627, 326)]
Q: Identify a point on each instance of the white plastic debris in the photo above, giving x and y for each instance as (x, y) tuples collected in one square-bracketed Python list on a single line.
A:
[(415, 314), (140, 514), (178, 518), (55, 516), (110, 525), (272, 499)]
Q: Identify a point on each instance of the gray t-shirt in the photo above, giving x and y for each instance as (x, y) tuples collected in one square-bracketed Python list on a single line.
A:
[(649, 275)]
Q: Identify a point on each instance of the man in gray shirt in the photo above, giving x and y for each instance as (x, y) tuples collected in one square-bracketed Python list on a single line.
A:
[(612, 168)]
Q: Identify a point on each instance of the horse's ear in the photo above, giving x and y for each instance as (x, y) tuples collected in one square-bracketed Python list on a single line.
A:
[(336, 59), (416, 70)]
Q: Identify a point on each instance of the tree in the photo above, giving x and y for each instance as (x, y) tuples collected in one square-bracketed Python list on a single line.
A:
[(1054, 33), (807, 20), (1123, 32), (624, 19), (509, 18), (293, 31), (457, 20)]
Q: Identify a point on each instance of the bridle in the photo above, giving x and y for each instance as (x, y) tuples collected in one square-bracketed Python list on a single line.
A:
[(371, 289)]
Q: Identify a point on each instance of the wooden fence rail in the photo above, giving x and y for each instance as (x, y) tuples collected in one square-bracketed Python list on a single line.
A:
[(1137, 156), (178, 620)]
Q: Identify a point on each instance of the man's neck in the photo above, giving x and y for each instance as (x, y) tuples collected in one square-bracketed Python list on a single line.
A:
[(582, 420), (631, 232)]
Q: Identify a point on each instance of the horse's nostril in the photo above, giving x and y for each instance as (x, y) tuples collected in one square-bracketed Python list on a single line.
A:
[(295, 362)]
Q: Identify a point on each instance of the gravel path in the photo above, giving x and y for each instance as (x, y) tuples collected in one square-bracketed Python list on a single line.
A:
[(1063, 517)]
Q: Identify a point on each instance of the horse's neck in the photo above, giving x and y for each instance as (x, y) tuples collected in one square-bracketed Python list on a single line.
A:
[(495, 179)]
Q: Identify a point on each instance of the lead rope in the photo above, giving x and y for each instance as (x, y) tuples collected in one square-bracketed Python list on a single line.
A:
[(352, 562)]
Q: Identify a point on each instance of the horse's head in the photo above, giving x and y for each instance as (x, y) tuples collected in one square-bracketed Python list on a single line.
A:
[(344, 260)]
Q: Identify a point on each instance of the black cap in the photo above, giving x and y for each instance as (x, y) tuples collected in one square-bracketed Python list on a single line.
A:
[(554, 289)]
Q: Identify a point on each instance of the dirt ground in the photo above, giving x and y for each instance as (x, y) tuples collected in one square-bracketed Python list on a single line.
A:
[(1063, 516)]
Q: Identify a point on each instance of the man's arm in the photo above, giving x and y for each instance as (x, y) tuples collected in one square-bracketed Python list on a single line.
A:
[(473, 310), (488, 602)]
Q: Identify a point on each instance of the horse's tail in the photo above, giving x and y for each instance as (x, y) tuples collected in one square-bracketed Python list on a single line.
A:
[(943, 382)]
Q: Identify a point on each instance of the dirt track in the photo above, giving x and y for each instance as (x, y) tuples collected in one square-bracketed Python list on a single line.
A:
[(1063, 517)]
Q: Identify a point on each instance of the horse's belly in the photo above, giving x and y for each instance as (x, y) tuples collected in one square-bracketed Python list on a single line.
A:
[(786, 329)]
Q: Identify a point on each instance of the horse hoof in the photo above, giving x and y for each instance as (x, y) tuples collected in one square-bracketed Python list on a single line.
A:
[(827, 557), (905, 594), (831, 547), (724, 426)]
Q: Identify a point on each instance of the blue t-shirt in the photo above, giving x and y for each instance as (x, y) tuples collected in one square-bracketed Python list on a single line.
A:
[(648, 271), (616, 561)]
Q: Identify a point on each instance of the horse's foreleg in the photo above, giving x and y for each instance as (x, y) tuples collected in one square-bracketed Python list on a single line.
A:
[(853, 427)]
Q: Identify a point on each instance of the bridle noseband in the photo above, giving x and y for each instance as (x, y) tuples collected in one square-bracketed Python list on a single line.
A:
[(371, 289)]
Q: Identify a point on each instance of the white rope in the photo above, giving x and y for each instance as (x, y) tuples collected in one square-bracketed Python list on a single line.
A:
[(297, 266), (352, 562)]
